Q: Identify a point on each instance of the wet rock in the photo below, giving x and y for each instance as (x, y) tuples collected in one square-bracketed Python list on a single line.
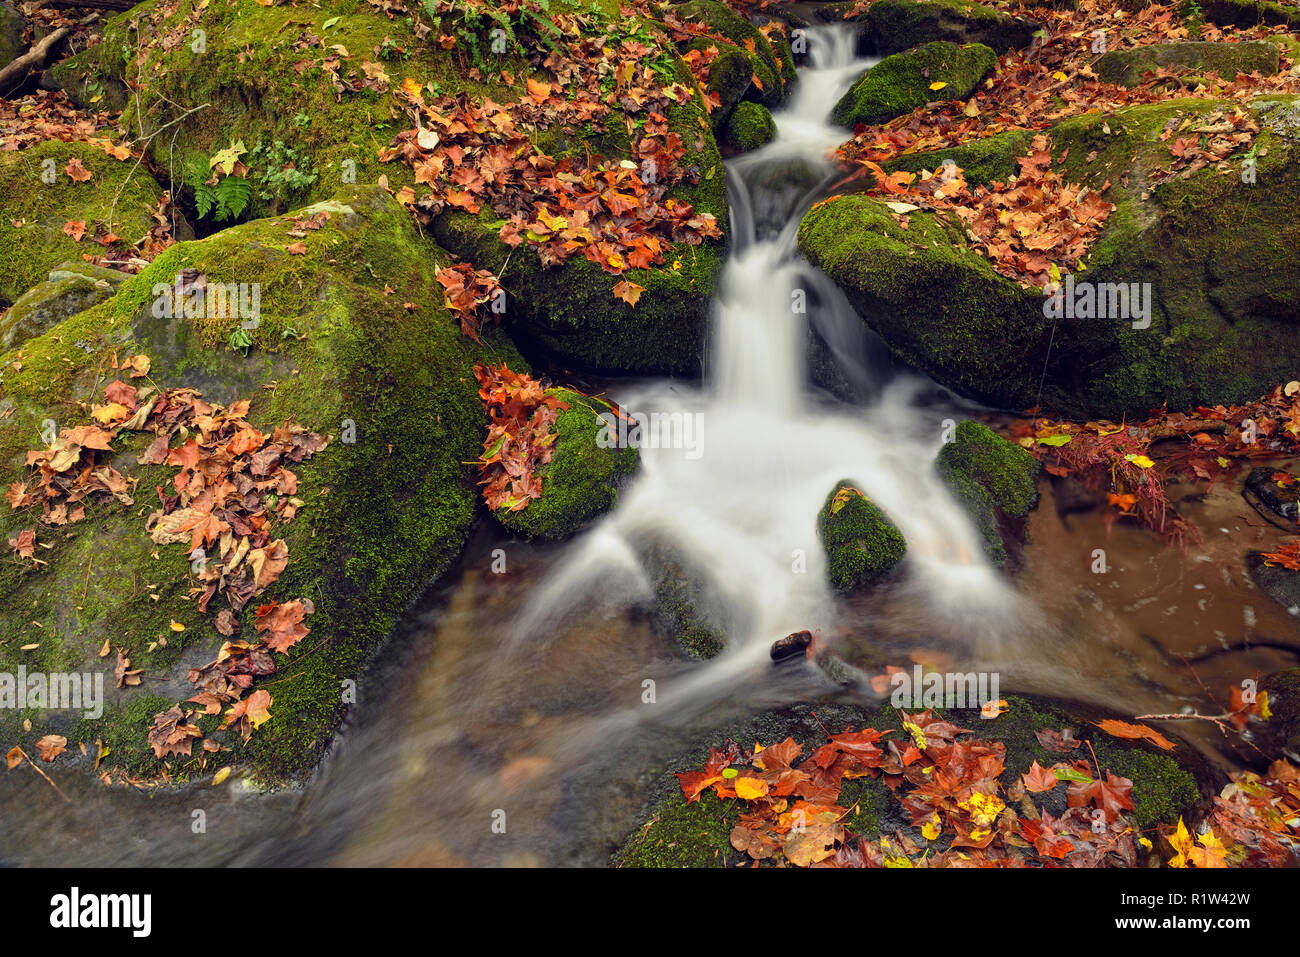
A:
[(900, 83), (687, 609), (1279, 501), (995, 480), (1279, 583), (896, 25), (72, 288), (749, 127), (1127, 67), (862, 544), (941, 307), (1283, 689), (581, 481), (791, 645), (1248, 13), (11, 33)]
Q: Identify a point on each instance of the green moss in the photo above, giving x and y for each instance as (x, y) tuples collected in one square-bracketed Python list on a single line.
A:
[(983, 161), (1006, 470), (1248, 13), (382, 516), (682, 608), (862, 544), (1126, 67), (582, 479), (41, 209), (763, 62), (900, 83), (685, 835), (750, 127), (896, 25)]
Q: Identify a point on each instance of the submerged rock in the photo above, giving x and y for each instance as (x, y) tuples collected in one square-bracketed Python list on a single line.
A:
[(791, 645), (687, 608), (862, 544), (995, 480), (1126, 67), (1203, 259), (384, 508), (900, 83), (117, 198), (896, 25), (70, 289), (582, 479), (1279, 500)]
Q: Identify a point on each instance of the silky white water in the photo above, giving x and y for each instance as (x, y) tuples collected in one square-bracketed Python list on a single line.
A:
[(739, 510)]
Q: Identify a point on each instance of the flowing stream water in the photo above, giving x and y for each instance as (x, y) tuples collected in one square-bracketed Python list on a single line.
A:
[(525, 692)]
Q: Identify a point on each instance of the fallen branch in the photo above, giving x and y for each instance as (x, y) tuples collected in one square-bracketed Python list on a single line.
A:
[(92, 4), (18, 69)]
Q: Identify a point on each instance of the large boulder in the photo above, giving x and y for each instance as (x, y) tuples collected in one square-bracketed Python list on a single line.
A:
[(900, 83), (896, 25), (39, 199), (1214, 245), (749, 127), (1128, 67), (348, 343)]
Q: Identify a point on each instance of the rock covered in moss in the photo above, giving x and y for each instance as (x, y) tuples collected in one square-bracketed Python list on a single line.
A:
[(674, 833), (1127, 67), (862, 544), (900, 83), (385, 507), (582, 479), (11, 33), (686, 607), (746, 66), (1248, 13), (71, 288), (940, 306), (982, 162), (995, 480), (118, 198), (897, 25), (749, 127), (1283, 689)]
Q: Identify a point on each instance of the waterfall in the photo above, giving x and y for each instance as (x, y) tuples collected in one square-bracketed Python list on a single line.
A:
[(741, 510)]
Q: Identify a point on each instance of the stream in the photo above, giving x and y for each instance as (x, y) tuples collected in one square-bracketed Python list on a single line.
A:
[(523, 693)]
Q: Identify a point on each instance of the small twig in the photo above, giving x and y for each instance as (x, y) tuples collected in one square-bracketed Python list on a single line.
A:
[(51, 783)]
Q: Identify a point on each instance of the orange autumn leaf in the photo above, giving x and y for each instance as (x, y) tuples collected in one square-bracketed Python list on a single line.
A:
[(1134, 732), (629, 292)]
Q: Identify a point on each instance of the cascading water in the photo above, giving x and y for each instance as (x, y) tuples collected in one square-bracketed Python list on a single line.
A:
[(739, 509)]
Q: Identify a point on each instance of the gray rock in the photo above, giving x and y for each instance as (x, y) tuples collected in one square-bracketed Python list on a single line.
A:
[(72, 288)]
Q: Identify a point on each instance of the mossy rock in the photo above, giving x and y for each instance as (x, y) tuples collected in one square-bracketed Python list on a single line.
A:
[(897, 25), (685, 606), (1211, 250), (335, 350), (1283, 688), (1127, 67), (733, 79), (1166, 785), (862, 544), (749, 127), (995, 480), (1248, 13), (902, 82), (118, 198), (71, 288), (582, 479), (11, 33), (982, 161)]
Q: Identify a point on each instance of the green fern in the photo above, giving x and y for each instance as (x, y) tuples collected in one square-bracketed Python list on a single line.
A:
[(227, 200)]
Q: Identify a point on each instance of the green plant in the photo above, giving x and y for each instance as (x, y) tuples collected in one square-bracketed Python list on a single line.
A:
[(280, 171), (241, 340), (225, 200)]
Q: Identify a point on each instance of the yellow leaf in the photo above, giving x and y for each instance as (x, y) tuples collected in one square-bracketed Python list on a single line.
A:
[(221, 776), (938, 85), (1181, 841), (177, 626), (750, 788), (1059, 76), (1141, 461), (931, 828), (110, 412)]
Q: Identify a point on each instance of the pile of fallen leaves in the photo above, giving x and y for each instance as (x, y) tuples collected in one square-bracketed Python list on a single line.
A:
[(617, 214), (1258, 816), (520, 437), (465, 290), (1133, 464), (960, 814)]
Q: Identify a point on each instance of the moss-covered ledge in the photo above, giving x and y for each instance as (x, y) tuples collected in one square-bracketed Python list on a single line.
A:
[(350, 344)]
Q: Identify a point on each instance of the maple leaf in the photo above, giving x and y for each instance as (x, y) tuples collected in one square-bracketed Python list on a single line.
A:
[(77, 172), (1112, 795), (281, 623), (1039, 779), (74, 228), (629, 292), (1058, 741)]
